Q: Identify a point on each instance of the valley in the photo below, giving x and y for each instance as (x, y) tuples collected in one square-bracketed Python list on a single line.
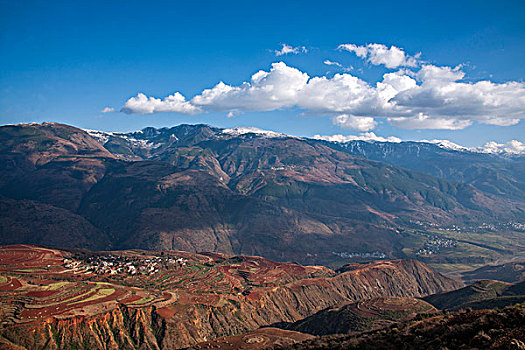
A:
[(195, 236), (235, 191)]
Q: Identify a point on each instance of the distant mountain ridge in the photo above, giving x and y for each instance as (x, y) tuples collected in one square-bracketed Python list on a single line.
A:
[(340, 139), (493, 173), (499, 173), (196, 188)]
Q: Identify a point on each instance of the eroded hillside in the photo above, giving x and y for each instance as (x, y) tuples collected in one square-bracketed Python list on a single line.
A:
[(172, 299)]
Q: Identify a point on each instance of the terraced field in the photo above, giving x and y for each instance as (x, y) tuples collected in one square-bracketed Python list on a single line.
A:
[(147, 299), (35, 280)]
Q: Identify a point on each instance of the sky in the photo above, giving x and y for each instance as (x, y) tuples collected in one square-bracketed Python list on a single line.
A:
[(415, 70)]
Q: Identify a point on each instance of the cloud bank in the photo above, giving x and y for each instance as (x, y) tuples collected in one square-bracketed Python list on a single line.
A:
[(512, 147), (423, 96), (366, 136)]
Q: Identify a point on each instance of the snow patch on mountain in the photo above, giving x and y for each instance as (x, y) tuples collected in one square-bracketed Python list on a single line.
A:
[(447, 145), (513, 147), (252, 130), (101, 136)]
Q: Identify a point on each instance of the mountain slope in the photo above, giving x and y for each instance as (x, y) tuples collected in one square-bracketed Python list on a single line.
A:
[(485, 329), (480, 295), (491, 173), (65, 299), (203, 188), (509, 272), (360, 316)]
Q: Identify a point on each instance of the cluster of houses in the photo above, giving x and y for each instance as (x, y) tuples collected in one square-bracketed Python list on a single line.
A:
[(367, 255), (516, 226), (117, 264), (483, 227), (434, 244), (511, 225)]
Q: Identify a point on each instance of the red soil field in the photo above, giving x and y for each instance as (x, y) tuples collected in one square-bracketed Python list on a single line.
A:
[(41, 294), (26, 257), (11, 284)]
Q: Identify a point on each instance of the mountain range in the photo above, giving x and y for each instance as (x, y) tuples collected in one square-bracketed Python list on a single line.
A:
[(244, 191)]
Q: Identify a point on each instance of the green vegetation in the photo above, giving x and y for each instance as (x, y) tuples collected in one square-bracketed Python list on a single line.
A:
[(472, 249), (55, 286), (142, 300), (100, 293)]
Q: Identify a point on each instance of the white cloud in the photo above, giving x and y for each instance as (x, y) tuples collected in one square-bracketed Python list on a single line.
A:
[(332, 63), (366, 136), (512, 147), (441, 96), (107, 110), (142, 104), (278, 88), (355, 123), (425, 122), (430, 97), (337, 64), (286, 49), (377, 54)]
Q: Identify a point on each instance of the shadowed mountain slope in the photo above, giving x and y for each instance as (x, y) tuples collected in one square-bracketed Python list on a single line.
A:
[(483, 294), (360, 316), (491, 173), (196, 187), (485, 329)]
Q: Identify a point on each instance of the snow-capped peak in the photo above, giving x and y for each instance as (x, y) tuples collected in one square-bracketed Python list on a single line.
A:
[(252, 130), (447, 145), (101, 136), (513, 147)]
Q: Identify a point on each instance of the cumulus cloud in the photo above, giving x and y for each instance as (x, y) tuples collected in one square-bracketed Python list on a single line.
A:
[(278, 88), (512, 147), (143, 104), (428, 97), (286, 49), (356, 123), (366, 136), (378, 54), (107, 110)]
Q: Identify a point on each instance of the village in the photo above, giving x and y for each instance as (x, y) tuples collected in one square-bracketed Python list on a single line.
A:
[(434, 244), (123, 265), (367, 255), (483, 227)]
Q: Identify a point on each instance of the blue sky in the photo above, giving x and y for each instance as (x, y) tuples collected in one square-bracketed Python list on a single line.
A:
[(68, 60)]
